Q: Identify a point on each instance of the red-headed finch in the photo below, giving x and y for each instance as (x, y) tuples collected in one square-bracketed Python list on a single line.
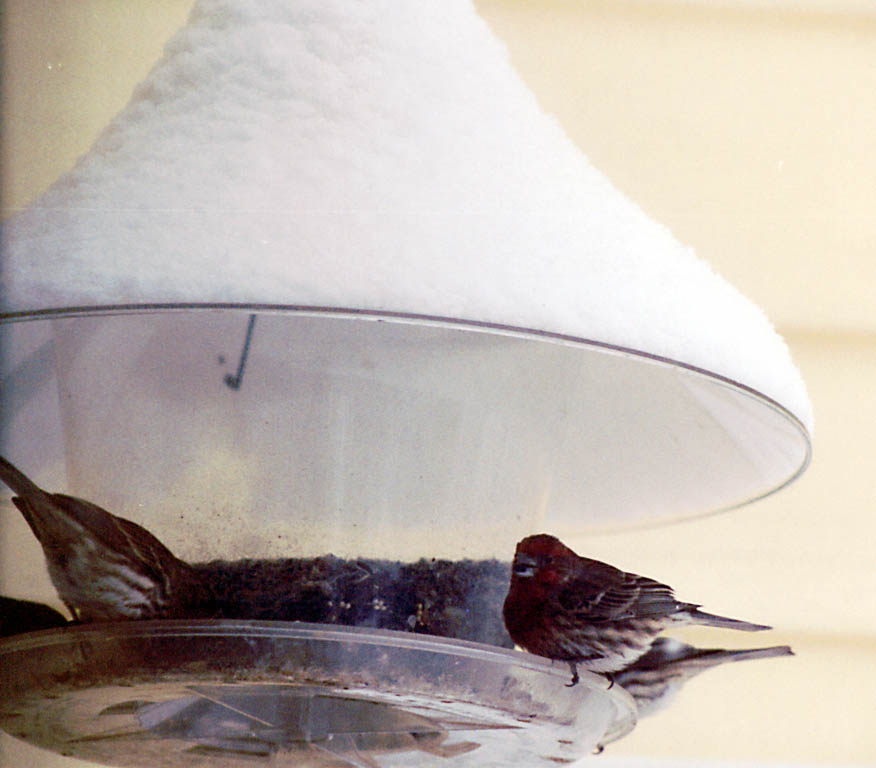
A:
[(584, 612)]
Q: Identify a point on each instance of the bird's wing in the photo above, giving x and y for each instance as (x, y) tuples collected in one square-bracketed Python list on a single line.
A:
[(602, 593), (127, 539)]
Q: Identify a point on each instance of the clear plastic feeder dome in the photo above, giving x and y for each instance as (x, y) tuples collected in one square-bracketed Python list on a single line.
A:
[(293, 431)]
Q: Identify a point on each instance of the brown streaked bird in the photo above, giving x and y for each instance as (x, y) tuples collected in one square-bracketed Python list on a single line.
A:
[(585, 612), (104, 567), (654, 679)]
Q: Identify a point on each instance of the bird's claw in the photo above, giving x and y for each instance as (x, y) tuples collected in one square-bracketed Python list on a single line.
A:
[(575, 677)]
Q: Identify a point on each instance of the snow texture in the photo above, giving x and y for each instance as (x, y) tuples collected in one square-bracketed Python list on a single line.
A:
[(378, 155)]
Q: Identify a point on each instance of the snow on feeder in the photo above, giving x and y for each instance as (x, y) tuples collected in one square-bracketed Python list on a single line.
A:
[(332, 289)]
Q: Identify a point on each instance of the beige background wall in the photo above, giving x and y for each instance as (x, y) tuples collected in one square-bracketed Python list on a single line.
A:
[(748, 128)]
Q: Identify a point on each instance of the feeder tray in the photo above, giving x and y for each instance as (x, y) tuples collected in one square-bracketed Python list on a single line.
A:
[(236, 693)]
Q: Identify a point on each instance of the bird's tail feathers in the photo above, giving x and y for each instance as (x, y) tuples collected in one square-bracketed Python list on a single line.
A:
[(743, 654), (33, 502), (17, 481), (705, 658), (711, 620)]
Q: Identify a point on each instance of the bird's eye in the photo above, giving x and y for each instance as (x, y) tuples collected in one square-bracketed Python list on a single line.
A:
[(524, 569)]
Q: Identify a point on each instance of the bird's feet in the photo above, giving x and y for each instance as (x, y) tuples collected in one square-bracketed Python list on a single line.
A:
[(575, 677)]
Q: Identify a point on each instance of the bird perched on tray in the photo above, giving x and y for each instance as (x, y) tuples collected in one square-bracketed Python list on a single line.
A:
[(585, 612), (654, 679), (104, 567)]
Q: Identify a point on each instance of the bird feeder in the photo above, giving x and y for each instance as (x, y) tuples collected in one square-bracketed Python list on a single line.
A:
[(332, 286)]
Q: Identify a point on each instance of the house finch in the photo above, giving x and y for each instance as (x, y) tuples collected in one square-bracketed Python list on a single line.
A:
[(581, 611), (104, 567), (654, 679)]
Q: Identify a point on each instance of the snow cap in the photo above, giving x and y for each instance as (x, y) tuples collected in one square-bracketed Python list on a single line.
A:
[(372, 155)]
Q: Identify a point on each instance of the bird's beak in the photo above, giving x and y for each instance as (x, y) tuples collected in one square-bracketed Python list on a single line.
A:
[(524, 565)]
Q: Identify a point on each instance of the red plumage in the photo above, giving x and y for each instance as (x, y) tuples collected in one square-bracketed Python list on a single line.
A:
[(585, 612)]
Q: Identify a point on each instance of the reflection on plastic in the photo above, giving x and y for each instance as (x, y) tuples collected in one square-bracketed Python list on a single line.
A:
[(656, 678), (313, 727)]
